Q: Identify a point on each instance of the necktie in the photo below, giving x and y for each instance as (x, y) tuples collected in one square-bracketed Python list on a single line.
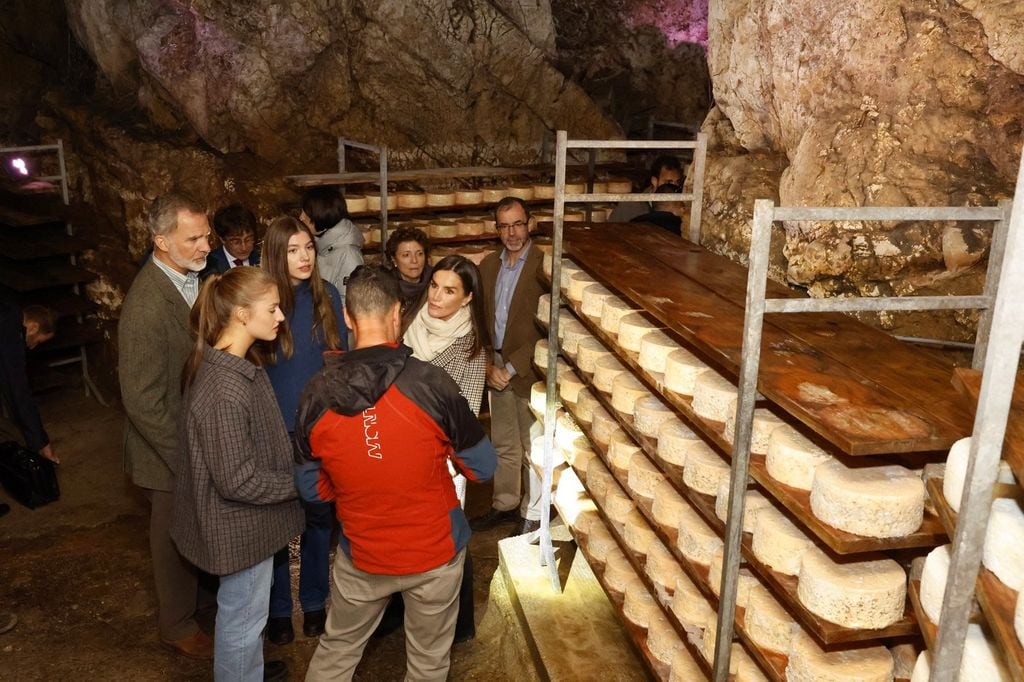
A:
[(237, 262)]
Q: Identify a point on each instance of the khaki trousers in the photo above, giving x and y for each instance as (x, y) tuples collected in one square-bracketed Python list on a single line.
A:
[(357, 606), (177, 581), (513, 429)]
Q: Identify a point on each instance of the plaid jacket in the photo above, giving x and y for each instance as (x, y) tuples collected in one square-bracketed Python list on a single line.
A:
[(470, 374)]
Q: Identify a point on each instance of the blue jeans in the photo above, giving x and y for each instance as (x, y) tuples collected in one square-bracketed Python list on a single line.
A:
[(241, 617), (314, 565)]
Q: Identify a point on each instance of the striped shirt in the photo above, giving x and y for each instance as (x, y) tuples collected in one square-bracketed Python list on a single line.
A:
[(187, 284)]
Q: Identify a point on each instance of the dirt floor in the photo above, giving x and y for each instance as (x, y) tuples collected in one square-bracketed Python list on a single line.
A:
[(77, 575)]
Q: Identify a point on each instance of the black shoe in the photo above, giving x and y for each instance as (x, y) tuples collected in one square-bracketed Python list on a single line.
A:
[(279, 630), (4, 508), (494, 518), (527, 528), (275, 671), (313, 623)]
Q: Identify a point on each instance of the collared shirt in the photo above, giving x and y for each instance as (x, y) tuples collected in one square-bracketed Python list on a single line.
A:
[(187, 284), (231, 259), (508, 278)]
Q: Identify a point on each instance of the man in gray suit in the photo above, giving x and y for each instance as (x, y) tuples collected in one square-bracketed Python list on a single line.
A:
[(153, 343)]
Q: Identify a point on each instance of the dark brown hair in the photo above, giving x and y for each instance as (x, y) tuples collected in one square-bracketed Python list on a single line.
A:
[(472, 283), (275, 261), (512, 201), (405, 234), (325, 206), (234, 219), (371, 290)]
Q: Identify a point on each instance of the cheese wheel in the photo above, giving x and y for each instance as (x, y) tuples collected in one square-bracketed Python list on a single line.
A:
[(649, 414), (1018, 620), (619, 186), (493, 194), (373, 201), (752, 502), (355, 203), (674, 440), (792, 458), (632, 329), (663, 570), (644, 476), (572, 335), (617, 505), (524, 192), (621, 450), (586, 403), (575, 187), (697, 541), (598, 480), (704, 469), (689, 605), (537, 454), (468, 196), (569, 269), (684, 667), (767, 624), (626, 391), (612, 312), (859, 594), (708, 641), (540, 353), (411, 199), (933, 581), (712, 396), (668, 505), (544, 308), (1004, 543), (443, 229), (637, 533), (878, 502), (600, 543), (662, 640), (579, 456), (746, 670), (765, 422), (655, 347), (585, 520), (777, 542), (568, 434), (579, 281), (639, 607), (603, 426), (956, 472), (588, 351), (469, 227), (745, 584), (539, 397), (681, 371), (542, 191), (809, 663), (569, 387), (593, 299), (618, 571), (438, 198), (982, 661)]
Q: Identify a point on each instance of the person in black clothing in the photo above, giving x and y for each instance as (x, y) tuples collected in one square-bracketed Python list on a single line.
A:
[(237, 229), (664, 214)]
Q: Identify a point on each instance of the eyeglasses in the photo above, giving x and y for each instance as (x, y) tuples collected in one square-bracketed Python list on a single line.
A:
[(517, 225), (241, 241)]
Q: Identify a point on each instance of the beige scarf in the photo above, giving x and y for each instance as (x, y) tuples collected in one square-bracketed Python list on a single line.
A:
[(428, 336)]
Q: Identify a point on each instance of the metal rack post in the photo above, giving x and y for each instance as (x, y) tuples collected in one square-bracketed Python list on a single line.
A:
[(382, 154)]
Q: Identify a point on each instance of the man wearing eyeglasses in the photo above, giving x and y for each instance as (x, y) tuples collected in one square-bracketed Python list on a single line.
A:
[(511, 292), (236, 226)]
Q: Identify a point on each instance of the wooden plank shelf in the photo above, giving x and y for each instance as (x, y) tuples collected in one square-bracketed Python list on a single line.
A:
[(856, 414), (433, 210), (968, 383), (437, 174), (23, 277)]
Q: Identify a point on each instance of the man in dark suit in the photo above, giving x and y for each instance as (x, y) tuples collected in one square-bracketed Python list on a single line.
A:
[(511, 293), (237, 229), (153, 343)]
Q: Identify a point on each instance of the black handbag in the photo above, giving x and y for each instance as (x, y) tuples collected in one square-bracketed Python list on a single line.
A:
[(27, 476)]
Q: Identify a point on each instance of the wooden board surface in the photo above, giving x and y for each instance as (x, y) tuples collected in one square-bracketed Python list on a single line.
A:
[(856, 414), (968, 382)]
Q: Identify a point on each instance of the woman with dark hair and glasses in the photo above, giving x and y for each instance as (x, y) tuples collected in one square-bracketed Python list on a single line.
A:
[(339, 243), (408, 251)]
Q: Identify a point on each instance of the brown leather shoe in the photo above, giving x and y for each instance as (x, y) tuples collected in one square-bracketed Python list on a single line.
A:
[(197, 645)]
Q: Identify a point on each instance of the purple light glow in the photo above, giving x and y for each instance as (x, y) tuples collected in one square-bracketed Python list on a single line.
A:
[(681, 21), (19, 165)]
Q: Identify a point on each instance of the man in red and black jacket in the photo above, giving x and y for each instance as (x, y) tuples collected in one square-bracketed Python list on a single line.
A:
[(375, 431)]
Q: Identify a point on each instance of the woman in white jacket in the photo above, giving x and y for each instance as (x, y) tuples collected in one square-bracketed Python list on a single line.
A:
[(339, 243)]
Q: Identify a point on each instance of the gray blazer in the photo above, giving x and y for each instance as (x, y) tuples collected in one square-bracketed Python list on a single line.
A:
[(235, 501), (153, 342)]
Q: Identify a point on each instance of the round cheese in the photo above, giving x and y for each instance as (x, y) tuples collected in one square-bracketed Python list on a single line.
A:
[(568, 324), (792, 458), (600, 542), (684, 667), (537, 454), (411, 199), (603, 426), (444, 229), (593, 299), (1003, 553), (577, 284), (644, 476), (586, 520), (712, 396), (681, 371), (568, 270), (573, 215), (767, 624), (612, 312), (621, 450), (744, 585), (541, 191), (637, 533), (619, 186), (765, 422), (1018, 620), (697, 541), (663, 570), (568, 434), (674, 440), (598, 480), (878, 502), (373, 201), (639, 606), (571, 336), (956, 472), (632, 329), (575, 187), (546, 263), (809, 663), (544, 308), (708, 641), (655, 347), (371, 236), (540, 353), (355, 203), (468, 196), (588, 351), (860, 594), (493, 194), (668, 505), (704, 469), (752, 502), (689, 605), (626, 391), (933, 581), (777, 542), (524, 192), (569, 387), (662, 640), (618, 572), (440, 198), (746, 670), (539, 397), (586, 403), (649, 414), (599, 187), (617, 506), (469, 227), (579, 456)]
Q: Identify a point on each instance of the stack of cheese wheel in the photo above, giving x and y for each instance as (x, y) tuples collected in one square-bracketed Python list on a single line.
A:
[(933, 581), (777, 542), (752, 502), (689, 605), (674, 440), (586, 403), (632, 329), (612, 312), (876, 501), (667, 506), (662, 641), (577, 283), (594, 297), (643, 477), (618, 572), (626, 391), (639, 606), (411, 199), (569, 387), (792, 458), (373, 201), (649, 413), (982, 660), (619, 186), (355, 203), (858, 594), (603, 426), (746, 583), (598, 480), (468, 196), (765, 422), (655, 347), (443, 229), (704, 470), (440, 198), (524, 192), (1003, 553), (588, 351), (712, 396), (600, 543), (956, 472), (621, 449), (542, 191), (767, 624), (809, 663), (493, 194), (681, 371), (617, 505), (696, 540), (638, 534), (663, 570), (606, 370), (469, 227)]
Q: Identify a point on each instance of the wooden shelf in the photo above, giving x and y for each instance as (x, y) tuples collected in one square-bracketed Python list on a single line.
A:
[(487, 206), (852, 385), (929, 632), (27, 276), (968, 383), (28, 246), (436, 174)]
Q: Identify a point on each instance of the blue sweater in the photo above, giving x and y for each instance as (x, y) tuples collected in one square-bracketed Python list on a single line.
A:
[(289, 376)]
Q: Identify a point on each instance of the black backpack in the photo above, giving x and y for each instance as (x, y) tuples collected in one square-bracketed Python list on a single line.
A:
[(27, 476)]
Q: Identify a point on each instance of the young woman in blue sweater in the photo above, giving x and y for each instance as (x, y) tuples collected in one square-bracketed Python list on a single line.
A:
[(315, 324)]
